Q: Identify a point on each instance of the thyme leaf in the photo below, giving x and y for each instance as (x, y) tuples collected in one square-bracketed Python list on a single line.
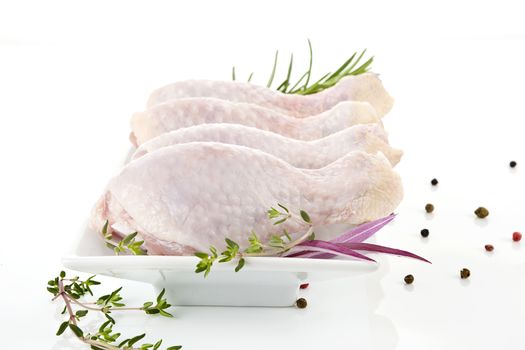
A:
[(127, 245)]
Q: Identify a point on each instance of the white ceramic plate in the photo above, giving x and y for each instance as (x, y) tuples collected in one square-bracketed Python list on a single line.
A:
[(264, 281)]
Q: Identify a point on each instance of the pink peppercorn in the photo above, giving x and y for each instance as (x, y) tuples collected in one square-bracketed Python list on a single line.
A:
[(304, 285), (516, 236)]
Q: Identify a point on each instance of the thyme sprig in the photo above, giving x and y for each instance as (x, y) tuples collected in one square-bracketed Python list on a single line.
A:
[(72, 290), (127, 245), (276, 246), (350, 67)]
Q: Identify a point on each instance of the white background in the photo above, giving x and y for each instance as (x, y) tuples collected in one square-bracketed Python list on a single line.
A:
[(71, 74)]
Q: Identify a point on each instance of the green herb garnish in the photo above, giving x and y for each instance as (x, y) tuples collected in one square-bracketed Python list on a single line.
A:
[(127, 244), (72, 291), (277, 245), (350, 67)]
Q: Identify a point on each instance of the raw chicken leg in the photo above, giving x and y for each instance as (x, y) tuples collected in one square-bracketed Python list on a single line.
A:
[(369, 138), (182, 113), (364, 87), (187, 197)]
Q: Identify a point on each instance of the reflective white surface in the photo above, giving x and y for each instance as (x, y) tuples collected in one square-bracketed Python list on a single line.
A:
[(67, 90)]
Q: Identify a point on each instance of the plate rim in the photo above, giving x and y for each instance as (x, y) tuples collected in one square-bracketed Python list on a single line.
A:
[(186, 263)]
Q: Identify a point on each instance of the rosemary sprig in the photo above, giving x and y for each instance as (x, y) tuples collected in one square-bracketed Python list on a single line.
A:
[(277, 245), (72, 290), (127, 244), (349, 67)]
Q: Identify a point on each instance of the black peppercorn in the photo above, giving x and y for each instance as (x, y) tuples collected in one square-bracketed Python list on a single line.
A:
[(429, 208), (424, 232), (409, 279), (464, 273), (301, 303), (434, 182), (513, 164), (481, 212)]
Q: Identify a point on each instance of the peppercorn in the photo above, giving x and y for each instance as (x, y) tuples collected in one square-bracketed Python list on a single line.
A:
[(516, 236), (513, 164), (424, 232), (409, 279), (464, 273), (489, 247), (434, 182), (304, 285), (429, 208), (301, 303), (481, 212)]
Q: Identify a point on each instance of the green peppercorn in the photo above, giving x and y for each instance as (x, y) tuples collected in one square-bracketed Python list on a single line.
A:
[(481, 212), (464, 273), (409, 279), (301, 303), (429, 208)]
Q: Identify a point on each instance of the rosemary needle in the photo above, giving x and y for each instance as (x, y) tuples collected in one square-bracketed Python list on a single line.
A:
[(284, 85), (273, 70), (310, 65), (296, 84)]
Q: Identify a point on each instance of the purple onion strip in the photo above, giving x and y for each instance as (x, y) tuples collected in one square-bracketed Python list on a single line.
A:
[(308, 253), (331, 248), (362, 232)]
